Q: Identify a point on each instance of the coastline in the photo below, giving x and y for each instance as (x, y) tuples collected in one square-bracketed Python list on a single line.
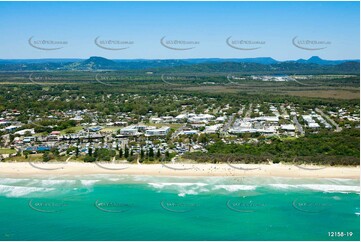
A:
[(20, 169)]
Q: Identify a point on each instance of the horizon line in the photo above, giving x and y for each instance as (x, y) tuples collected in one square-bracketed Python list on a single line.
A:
[(193, 58)]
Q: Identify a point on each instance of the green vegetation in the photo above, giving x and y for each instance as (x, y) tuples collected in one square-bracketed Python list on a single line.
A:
[(7, 151), (324, 148)]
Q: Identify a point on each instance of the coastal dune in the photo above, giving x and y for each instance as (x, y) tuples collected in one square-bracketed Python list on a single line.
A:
[(15, 169)]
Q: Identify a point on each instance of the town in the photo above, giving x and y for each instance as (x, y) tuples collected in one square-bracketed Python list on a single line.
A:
[(125, 136)]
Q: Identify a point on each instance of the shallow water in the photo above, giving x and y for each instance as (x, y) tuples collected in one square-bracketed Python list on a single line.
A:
[(109, 207)]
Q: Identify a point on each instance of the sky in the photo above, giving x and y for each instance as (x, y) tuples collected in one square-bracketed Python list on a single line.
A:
[(281, 30)]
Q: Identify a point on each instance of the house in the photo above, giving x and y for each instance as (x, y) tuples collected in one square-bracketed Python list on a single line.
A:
[(310, 122), (24, 131), (212, 129), (77, 118), (181, 117), (53, 138), (28, 139), (201, 118), (12, 128), (156, 120), (94, 129), (221, 119), (168, 119), (189, 132), (270, 119), (55, 133), (313, 125), (288, 127)]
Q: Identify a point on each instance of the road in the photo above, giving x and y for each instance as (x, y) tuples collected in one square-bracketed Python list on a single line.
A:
[(228, 124), (328, 118), (249, 111), (180, 129), (298, 125)]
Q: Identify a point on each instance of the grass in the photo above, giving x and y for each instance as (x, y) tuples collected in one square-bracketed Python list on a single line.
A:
[(337, 94), (110, 129), (172, 126), (71, 130), (7, 151), (39, 158)]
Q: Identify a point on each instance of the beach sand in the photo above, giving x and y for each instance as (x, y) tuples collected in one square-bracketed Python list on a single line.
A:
[(18, 169)]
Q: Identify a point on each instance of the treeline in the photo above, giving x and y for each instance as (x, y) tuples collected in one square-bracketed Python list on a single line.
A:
[(111, 99), (265, 159), (145, 155), (326, 147)]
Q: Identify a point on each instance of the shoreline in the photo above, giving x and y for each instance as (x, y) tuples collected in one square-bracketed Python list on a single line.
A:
[(20, 169)]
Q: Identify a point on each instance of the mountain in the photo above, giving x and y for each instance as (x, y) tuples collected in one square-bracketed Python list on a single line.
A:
[(93, 63), (247, 65), (256, 68), (38, 61), (259, 60), (319, 61)]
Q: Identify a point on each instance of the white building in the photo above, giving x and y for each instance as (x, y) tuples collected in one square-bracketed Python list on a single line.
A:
[(129, 131), (271, 119), (212, 129), (158, 132), (288, 127), (24, 131)]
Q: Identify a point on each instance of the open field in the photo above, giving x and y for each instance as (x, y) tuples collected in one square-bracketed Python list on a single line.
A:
[(336, 94)]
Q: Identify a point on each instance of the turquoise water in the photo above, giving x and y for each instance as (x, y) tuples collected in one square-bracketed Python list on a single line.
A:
[(153, 208)]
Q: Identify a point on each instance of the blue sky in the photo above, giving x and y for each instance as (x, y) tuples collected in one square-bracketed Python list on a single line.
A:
[(274, 24)]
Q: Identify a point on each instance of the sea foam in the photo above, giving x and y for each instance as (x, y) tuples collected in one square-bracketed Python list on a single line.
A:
[(234, 188), (19, 191)]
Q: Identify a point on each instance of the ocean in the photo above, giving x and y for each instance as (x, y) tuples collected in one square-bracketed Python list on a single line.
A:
[(110, 207)]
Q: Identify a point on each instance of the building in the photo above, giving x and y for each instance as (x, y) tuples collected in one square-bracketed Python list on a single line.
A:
[(129, 131), (212, 129), (24, 131), (189, 132), (28, 139), (158, 132), (271, 119), (288, 127)]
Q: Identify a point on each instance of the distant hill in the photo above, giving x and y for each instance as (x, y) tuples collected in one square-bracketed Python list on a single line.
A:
[(206, 65), (319, 61), (277, 68), (38, 61), (93, 63)]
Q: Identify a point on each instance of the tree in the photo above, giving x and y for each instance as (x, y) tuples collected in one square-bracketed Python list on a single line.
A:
[(90, 152), (151, 152), (158, 153), (126, 152), (120, 152), (167, 155), (141, 153), (77, 151), (46, 156), (88, 158)]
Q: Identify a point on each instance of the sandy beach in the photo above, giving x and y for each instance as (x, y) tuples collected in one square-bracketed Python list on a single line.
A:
[(18, 169)]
